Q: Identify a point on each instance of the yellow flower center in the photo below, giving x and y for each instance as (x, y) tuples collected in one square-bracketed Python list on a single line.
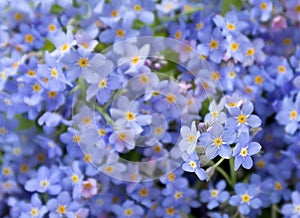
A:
[(83, 62), (178, 195), (245, 198), (213, 44), (250, 52), (130, 116), (18, 16), (3, 131), (178, 35), (34, 212), (260, 164), (199, 26), (297, 208), (171, 176), (114, 13), (61, 209), (157, 148), (258, 80), (231, 26), (215, 76), (218, 141), (102, 132), (143, 192), (120, 33), (64, 47), (214, 193), (54, 73), (102, 84), (135, 60), (242, 118), (243, 152), (30, 73), (137, 8), (263, 6), (51, 27), (287, 41), (122, 136), (74, 178), (86, 120), (191, 138), (193, 164), (144, 79), (24, 168), (234, 46), (128, 212), (87, 158), (170, 98), (44, 183), (36, 87), (29, 38), (281, 69), (52, 94), (293, 114), (109, 169), (170, 211), (278, 186)]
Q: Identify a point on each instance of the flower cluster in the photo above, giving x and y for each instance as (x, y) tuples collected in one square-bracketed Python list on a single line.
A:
[(106, 105)]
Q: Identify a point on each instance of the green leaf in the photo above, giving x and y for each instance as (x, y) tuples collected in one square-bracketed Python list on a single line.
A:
[(56, 9), (137, 24), (48, 46), (227, 4), (24, 123)]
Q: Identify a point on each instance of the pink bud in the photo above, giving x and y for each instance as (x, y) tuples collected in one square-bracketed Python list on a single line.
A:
[(278, 23), (89, 188)]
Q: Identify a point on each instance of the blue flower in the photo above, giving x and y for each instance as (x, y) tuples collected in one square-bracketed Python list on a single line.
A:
[(192, 164), (218, 141), (262, 9), (128, 209), (214, 196), (292, 209), (141, 9), (213, 46), (289, 114), (46, 181), (242, 119), (230, 23), (178, 30), (245, 198), (243, 151), (34, 208), (62, 205), (189, 139), (216, 112)]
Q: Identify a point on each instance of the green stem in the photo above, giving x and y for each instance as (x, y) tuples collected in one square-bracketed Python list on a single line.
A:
[(232, 171), (225, 175), (218, 163)]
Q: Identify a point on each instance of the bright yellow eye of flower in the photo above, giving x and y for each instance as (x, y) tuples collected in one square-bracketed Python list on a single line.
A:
[(263, 6), (64, 47), (170, 211), (245, 198), (215, 76), (120, 33), (242, 118), (191, 138), (129, 116), (214, 193), (234, 46), (178, 35), (243, 152), (34, 212), (258, 80), (231, 26), (213, 44), (29, 38), (281, 69), (83, 62), (250, 52), (170, 98), (128, 212), (61, 209), (143, 192), (137, 8), (293, 114), (51, 27), (114, 13), (218, 141), (102, 83), (193, 164)]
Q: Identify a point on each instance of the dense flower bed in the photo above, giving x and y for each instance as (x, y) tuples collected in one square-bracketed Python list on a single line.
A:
[(146, 108)]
